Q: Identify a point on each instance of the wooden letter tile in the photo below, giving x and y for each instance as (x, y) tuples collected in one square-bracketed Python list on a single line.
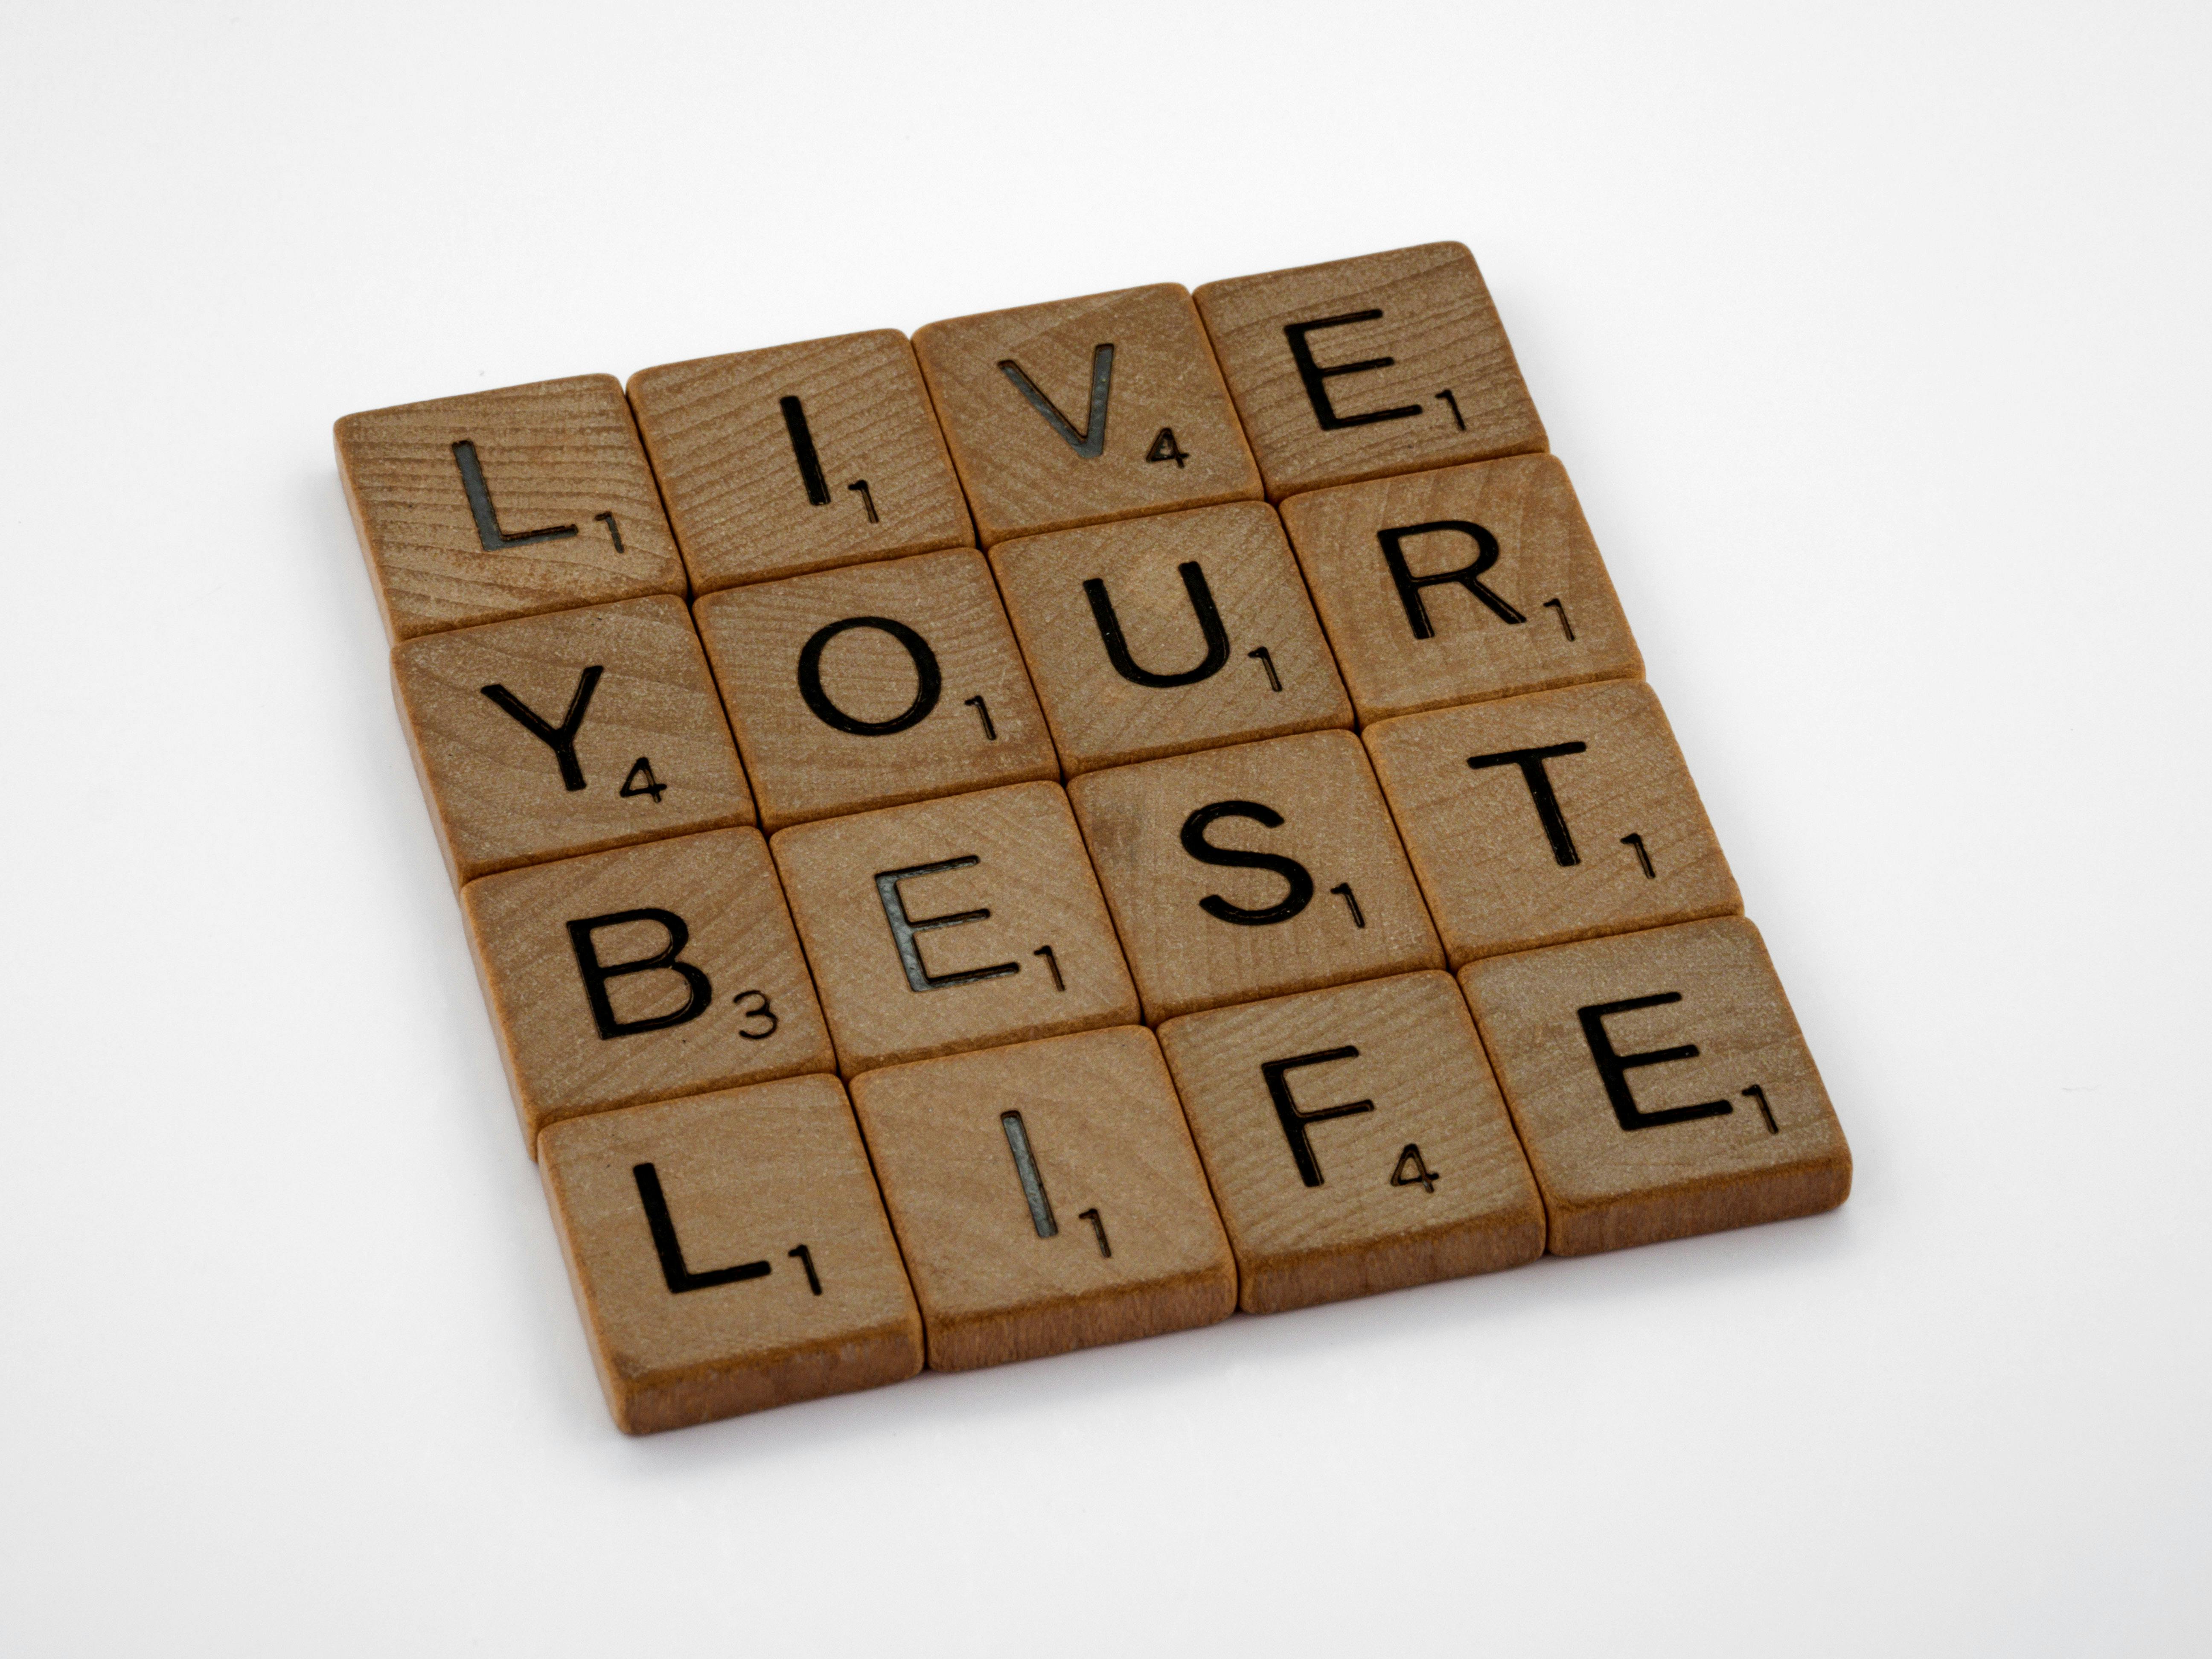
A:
[(506, 503), (1387, 363), (867, 687), (1245, 873), (799, 458), (729, 1252), (549, 736), (1536, 820), (1449, 588), (954, 923), (1355, 1141), (1085, 410), (1046, 1197), (1660, 1084), (1182, 631), (650, 971)]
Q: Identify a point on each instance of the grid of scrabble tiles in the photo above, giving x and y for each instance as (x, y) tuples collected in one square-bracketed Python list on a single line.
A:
[(1049, 831)]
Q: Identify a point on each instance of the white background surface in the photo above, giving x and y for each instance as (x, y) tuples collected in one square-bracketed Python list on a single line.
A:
[(1875, 339)]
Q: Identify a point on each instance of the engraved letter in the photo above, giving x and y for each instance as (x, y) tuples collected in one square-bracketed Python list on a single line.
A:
[(561, 738), (597, 973), (1468, 576), (670, 1248), (1209, 624), (929, 682), (1293, 1120), (486, 516), (1298, 882), (905, 929), (1316, 378), (1091, 442), (1614, 1067), (1531, 762)]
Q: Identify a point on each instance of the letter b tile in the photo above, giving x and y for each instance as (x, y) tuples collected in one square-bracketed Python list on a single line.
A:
[(1660, 1084)]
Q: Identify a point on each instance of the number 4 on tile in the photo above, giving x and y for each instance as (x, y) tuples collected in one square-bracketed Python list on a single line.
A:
[(641, 780)]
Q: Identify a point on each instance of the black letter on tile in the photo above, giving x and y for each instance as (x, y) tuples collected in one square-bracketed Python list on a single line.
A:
[(1531, 762), (905, 928), (1614, 1067), (1294, 1120), (1297, 881), (561, 738), (929, 682), (670, 1248), (486, 516), (1091, 442), (802, 450), (1467, 576), (597, 973), (1316, 378), (1209, 624)]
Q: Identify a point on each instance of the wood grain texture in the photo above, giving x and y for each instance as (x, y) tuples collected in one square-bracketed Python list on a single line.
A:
[(1421, 1180), (804, 767), (1134, 1247), (554, 456), (1714, 1054), (1024, 474), (1255, 600), (1309, 801), (734, 469), (1380, 556), (1438, 332), (1026, 889), (1496, 875), (504, 793), (743, 1179), (719, 891)]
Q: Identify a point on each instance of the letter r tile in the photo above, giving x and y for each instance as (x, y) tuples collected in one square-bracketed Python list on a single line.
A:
[(1659, 1085), (1392, 362), (647, 972)]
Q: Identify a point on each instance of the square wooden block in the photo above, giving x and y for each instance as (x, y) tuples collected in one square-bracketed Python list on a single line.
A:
[(951, 924), (1046, 1197), (1449, 587), (1660, 1085), (799, 458), (651, 971), (729, 1252), (1184, 630), (1244, 872), (867, 687), (1537, 820), (1086, 410), (1391, 362), (549, 736), (507, 503), (1355, 1141)]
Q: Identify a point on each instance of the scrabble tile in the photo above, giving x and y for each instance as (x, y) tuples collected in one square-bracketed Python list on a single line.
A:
[(507, 503), (1391, 362), (1660, 1084), (869, 686), (1355, 1141), (729, 1252), (1540, 819), (1182, 631), (1086, 410), (1248, 872), (799, 458), (650, 971), (1046, 1197), (1449, 588), (549, 736), (951, 923)]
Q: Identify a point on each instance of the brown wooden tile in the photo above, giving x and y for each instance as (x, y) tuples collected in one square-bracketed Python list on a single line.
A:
[(1355, 1141), (729, 1252), (1660, 1084), (649, 971), (799, 458), (1391, 362), (1536, 820), (951, 923), (507, 503), (869, 686), (1296, 880), (1081, 410), (548, 736), (1449, 588), (1046, 1197), (1182, 630)]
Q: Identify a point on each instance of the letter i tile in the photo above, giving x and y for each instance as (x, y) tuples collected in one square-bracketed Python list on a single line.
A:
[(1660, 1084)]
